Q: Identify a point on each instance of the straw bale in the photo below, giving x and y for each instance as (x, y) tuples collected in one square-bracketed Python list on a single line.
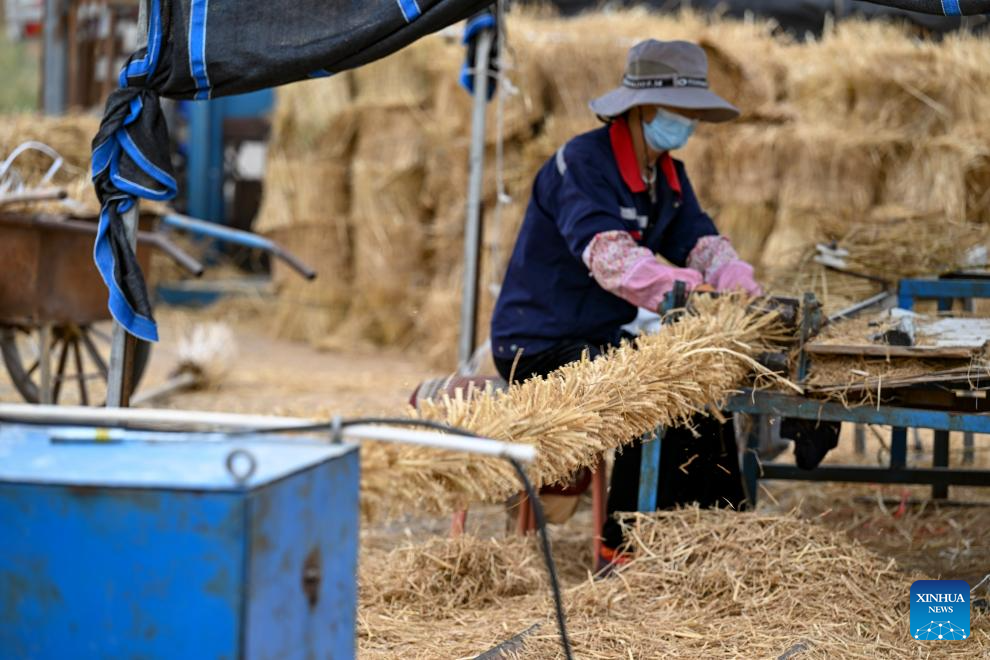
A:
[(978, 190), (387, 223), (69, 135), (401, 80), (889, 80), (703, 584), (580, 410), (930, 176), (522, 95), (748, 226), (749, 162), (822, 166), (315, 116), (305, 189), (794, 231)]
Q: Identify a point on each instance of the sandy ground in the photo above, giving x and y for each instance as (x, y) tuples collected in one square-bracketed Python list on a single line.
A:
[(274, 376)]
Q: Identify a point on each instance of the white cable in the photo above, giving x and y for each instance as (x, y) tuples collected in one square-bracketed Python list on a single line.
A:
[(184, 420)]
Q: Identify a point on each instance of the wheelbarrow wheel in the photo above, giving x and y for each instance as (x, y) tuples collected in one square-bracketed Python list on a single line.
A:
[(78, 357)]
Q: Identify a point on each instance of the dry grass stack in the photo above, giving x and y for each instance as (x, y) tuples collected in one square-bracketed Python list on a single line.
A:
[(306, 206), (704, 584), (865, 116), (70, 136)]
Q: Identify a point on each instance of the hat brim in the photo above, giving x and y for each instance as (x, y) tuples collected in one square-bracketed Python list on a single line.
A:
[(710, 106)]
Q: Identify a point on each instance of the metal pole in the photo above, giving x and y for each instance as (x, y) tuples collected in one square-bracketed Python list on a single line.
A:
[(54, 62), (122, 343), (45, 363), (472, 228)]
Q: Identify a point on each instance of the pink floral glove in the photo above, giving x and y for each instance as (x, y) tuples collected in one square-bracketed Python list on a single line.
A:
[(736, 275), (632, 272), (721, 266)]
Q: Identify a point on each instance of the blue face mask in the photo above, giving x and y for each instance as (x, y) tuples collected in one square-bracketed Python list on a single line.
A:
[(668, 131)]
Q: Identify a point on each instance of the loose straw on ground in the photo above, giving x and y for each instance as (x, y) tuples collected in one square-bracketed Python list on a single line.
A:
[(703, 584)]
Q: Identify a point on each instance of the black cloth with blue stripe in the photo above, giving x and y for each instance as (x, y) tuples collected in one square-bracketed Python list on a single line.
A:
[(199, 49)]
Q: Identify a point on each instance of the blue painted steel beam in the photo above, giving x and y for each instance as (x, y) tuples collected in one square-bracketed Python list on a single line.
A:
[(786, 405), (911, 289), (649, 472)]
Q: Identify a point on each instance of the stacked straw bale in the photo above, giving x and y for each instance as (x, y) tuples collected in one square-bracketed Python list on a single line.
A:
[(867, 116)]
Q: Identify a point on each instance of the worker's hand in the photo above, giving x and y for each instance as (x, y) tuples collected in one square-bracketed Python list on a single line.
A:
[(704, 288), (736, 275)]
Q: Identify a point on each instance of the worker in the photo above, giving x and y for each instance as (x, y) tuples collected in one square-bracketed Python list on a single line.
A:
[(603, 208)]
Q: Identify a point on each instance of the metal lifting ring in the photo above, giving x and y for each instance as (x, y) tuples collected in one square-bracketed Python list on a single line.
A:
[(241, 476)]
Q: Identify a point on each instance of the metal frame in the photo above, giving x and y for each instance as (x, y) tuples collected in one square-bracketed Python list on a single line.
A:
[(766, 404), (940, 476), (965, 286)]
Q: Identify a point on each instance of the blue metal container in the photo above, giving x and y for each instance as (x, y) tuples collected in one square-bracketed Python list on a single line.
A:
[(159, 550)]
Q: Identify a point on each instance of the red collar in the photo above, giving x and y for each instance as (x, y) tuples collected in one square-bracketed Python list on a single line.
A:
[(625, 158)]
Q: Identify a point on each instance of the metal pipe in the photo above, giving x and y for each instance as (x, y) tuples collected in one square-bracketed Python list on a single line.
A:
[(473, 227), (238, 237), (122, 343), (213, 421), (54, 64), (860, 306)]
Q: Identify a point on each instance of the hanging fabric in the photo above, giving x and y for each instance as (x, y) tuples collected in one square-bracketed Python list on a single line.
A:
[(201, 50)]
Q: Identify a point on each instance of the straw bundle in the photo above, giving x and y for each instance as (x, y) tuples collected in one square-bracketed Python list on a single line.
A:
[(580, 410), (704, 583), (886, 242)]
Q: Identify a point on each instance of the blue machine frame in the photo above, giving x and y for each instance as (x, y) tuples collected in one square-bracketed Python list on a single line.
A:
[(187, 548), (760, 404)]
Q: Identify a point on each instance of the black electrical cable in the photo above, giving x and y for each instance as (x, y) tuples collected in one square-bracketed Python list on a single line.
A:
[(531, 494)]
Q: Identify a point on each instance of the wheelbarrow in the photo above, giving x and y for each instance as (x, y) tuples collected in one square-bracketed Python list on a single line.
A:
[(55, 328)]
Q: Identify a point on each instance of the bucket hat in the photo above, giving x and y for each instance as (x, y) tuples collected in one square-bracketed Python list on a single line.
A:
[(668, 73)]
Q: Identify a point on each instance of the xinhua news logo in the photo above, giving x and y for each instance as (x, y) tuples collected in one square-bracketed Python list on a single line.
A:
[(940, 610)]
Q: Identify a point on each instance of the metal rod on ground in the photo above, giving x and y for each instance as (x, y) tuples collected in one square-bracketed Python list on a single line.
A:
[(473, 224), (122, 343)]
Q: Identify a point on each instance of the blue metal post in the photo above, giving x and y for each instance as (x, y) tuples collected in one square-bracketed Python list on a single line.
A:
[(649, 472), (200, 181)]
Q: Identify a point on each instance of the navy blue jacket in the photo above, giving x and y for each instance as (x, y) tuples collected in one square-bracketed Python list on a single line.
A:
[(591, 185)]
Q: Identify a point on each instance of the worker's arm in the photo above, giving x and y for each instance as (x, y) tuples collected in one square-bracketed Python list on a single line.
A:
[(721, 266), (588, 220), (632, 272), (692, 240)]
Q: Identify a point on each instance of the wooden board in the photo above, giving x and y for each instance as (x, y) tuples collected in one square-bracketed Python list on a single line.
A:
[(882, 350)]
